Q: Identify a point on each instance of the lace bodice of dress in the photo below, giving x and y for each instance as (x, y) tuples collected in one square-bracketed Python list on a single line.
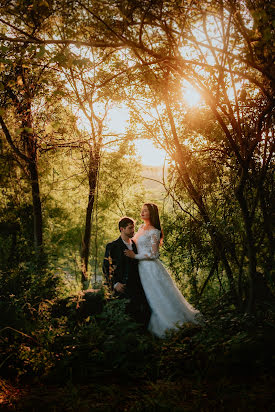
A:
[(147, 242)]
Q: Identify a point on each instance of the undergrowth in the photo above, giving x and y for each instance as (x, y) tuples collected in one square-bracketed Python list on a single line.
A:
[(87, 341)]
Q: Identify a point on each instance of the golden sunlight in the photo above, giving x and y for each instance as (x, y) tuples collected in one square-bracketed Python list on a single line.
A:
[(191, 96)]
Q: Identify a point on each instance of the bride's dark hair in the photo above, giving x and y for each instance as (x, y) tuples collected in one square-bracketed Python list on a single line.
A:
[(154, 216)]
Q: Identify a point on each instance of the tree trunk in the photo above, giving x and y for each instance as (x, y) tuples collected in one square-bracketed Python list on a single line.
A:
[(29, 157), (250, 244), (30, 142), (85, 247), (37, 209)]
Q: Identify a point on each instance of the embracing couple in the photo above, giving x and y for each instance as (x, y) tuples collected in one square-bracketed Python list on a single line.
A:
[(133, 270)]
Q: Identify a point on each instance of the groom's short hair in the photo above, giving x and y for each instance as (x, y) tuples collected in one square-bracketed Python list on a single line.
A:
[(125, 221)]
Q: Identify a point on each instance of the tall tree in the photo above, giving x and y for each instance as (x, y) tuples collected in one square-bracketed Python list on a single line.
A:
[(18, 91), (92, 93)]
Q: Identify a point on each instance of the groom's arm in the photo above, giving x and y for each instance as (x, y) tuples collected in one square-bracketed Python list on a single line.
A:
[(107, 267), (112, 265), (117, 257)]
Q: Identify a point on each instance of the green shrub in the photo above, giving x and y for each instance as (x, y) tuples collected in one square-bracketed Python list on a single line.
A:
[(106, 344)]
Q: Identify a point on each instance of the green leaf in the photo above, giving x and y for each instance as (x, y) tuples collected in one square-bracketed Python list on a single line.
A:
[(41, 52)]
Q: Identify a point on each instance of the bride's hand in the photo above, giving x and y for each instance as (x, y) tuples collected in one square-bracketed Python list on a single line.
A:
[(129, 253)]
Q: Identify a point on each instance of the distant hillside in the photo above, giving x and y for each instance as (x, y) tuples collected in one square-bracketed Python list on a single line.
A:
[(152, 180)]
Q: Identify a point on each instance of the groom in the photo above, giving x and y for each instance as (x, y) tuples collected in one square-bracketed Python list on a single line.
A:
[(121, 272)]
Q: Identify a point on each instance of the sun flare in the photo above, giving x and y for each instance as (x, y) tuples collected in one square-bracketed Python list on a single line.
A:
[(191, 96)]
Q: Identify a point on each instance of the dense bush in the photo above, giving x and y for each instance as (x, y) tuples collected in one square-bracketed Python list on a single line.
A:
[(227, 344), (76, 337), (105, 344), (26, 294)]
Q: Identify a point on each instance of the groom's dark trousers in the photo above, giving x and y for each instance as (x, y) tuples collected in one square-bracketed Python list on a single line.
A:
[(119, 268)]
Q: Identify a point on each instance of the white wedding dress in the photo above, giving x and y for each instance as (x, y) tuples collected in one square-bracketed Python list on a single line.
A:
[(168, 306)]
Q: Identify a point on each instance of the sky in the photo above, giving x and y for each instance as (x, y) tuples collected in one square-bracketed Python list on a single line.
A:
[(149, 154)]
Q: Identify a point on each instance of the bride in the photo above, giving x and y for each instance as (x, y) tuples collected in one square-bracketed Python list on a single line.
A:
[(169, 308)]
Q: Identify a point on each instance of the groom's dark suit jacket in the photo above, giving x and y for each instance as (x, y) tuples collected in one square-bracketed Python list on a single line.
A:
[(119, 268)]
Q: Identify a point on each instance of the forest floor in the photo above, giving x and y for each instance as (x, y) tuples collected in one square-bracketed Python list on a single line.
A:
[(240, 393)]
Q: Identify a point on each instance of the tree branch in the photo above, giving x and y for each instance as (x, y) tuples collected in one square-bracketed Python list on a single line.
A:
[(9, 140), (98, 44)]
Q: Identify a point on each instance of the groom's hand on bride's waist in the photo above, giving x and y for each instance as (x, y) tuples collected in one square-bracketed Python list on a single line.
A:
[(120, 287)]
